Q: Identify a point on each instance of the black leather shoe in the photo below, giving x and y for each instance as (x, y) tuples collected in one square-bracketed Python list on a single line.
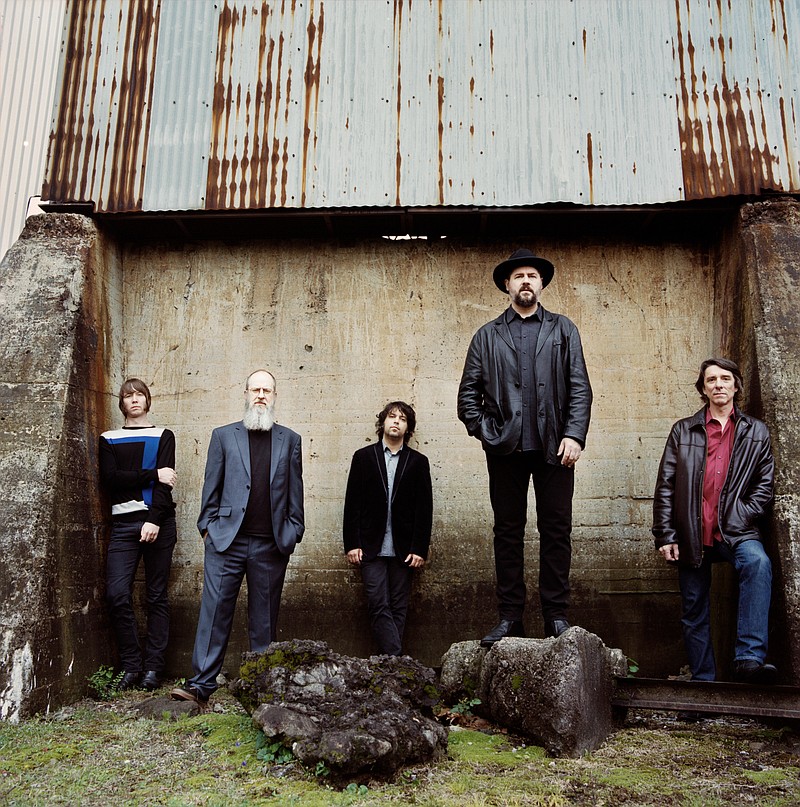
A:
[(555, 627), (750, 671), (130, 680), (150, 681), (506, 627)]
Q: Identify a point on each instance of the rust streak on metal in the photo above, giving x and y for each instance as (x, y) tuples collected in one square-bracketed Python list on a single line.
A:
[(590, 166), (260, 102), (275, 86), (62, 143), (398, 156), (91, 65), (127, 175), (215, 179), (440, 106), (440, 97), (314, 32), (724, 149)]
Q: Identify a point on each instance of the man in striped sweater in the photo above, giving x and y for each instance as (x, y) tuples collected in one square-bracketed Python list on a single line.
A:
[(137, 470)]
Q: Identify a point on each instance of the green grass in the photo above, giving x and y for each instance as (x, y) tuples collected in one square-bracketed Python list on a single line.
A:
[(101, 754)]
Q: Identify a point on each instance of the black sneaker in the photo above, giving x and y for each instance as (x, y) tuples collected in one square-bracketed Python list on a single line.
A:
[(750, 671)]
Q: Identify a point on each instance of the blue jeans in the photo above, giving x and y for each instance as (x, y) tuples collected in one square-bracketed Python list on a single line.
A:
[(124, 553), (754, 571)]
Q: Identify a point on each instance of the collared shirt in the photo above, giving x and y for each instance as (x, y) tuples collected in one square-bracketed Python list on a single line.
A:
[(525, 333), (387, 548), (718, 458)]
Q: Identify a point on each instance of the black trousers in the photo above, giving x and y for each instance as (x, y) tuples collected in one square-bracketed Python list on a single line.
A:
[(387, 582), (553, 485), (124, 553)]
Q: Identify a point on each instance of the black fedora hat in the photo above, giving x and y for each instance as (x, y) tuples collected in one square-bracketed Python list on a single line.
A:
[(522, 257)]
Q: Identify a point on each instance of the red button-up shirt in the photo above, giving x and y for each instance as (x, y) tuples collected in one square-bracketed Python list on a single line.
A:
[(720, 448)]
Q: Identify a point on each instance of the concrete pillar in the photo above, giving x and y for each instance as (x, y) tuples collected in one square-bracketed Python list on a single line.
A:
[(60, 291), (770, 240)]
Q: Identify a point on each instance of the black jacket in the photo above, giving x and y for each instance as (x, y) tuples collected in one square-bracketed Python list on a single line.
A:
[(745, 496), (489, 396), (366, 503)]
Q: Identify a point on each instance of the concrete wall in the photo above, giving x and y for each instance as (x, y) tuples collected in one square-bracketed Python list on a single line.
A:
[(346, 328), (769, 234), (60, 292)]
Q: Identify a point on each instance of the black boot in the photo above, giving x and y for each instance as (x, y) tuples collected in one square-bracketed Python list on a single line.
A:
[(130, 680), (151, 680), (506, 627)]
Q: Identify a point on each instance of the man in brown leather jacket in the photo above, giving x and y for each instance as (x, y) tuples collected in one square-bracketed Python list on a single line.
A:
[(714, 486), (525, 394)]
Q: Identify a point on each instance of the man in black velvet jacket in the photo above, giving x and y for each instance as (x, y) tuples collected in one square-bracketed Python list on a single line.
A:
[(525, 395), (388, 516)]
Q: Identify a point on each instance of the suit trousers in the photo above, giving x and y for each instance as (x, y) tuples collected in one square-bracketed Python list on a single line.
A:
[(260, 561), (125, 550), (553, 485), (387, 582)]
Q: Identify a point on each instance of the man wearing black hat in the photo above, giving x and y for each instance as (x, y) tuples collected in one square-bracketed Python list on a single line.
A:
[(525, 394)]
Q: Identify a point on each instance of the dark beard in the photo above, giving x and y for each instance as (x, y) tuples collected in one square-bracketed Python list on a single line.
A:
[(526, 302)]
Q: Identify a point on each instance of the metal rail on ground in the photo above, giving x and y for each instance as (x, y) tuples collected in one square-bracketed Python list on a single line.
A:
[(707, 697)]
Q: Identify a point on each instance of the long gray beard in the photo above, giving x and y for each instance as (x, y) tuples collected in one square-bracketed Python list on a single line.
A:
[(258, 420)]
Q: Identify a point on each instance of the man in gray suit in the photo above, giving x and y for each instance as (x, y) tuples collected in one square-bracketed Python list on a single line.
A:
[(251, 519)]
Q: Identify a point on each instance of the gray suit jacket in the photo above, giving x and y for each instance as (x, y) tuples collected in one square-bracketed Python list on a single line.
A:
[(227, 486)]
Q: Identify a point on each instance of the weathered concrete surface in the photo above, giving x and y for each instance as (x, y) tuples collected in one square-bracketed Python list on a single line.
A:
[(770, 238), (354, 715), (460, 676), (555, 691), (346, 327), (60, 292)]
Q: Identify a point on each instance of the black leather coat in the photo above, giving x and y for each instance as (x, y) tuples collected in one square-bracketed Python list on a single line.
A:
[(489, 396), (745, 497)]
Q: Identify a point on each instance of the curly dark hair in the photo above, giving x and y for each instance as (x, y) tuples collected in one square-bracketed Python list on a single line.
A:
[(400, 406)]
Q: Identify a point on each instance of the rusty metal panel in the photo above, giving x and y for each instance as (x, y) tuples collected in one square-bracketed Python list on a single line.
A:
[(253, 104), (30, 31), (98, 144), (739, 89)]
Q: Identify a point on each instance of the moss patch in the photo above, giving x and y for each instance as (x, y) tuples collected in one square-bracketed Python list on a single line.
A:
[(494, 749)]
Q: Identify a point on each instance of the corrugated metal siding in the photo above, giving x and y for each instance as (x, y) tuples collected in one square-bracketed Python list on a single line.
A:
[(738, 96), (98, 144), (249, 104), (29, 34)]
